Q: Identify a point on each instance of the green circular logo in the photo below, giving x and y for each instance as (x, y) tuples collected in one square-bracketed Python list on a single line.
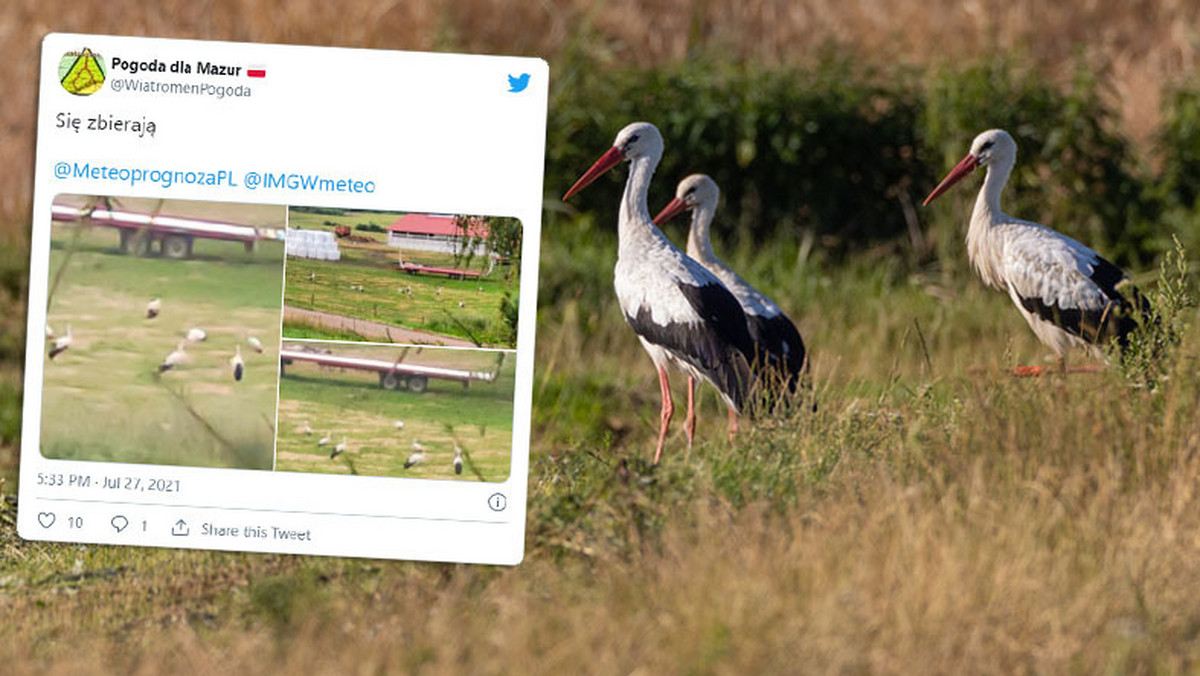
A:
[(81, 73)]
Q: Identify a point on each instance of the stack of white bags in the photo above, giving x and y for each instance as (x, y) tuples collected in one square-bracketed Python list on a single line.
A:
[(318, 244)]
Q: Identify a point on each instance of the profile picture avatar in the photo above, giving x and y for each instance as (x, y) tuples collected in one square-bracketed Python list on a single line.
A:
[(81, 72)]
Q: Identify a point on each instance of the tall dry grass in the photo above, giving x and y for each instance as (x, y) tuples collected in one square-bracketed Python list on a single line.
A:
[(981, 537), (1140, 45)]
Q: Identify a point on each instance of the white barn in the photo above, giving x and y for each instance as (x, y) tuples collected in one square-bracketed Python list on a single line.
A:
[(432, 232)]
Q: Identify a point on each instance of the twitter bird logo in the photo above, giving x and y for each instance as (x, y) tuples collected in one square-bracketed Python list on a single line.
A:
[(518, 83)]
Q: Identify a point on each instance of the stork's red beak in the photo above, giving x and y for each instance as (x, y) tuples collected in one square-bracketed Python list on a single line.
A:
[(966, 166), (673, 209), (607, 161)]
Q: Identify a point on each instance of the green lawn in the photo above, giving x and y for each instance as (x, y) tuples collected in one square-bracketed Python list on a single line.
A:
[(467, 309), (350, 404), (103, 398)]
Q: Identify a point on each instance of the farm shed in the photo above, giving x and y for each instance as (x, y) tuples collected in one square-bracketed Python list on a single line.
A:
[(432, 232)]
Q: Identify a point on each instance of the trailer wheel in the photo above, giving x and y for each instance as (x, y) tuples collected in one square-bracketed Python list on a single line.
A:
[(177, 246), (417, 384), (389, 381), (135, 242)]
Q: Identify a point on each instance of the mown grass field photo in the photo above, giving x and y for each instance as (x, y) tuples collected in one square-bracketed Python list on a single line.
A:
[(934, 515), (364, 296), (106, 397), (384, 430)]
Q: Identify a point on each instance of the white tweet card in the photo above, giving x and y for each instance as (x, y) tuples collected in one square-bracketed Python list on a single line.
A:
[(282, 299)]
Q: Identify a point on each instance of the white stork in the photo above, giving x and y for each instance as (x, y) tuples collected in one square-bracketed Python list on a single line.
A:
[(1069, 294), (49, 333), (237, 363), (196, 335), (324, 441), (779, 350), (458, 460), (305, 429), (61, 343), (338, 450), (416, 457), (399, 424), (175, 358), (153, 308), (683, 315), (255, 343)]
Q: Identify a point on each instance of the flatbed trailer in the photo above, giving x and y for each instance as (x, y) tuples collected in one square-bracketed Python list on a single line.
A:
[(393, 375), (452, 273), (174, 235)]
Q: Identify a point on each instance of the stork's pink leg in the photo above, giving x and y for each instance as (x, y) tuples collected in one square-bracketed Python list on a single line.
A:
[(667, 409), (733, 424), (689, 423), (1028, 371)]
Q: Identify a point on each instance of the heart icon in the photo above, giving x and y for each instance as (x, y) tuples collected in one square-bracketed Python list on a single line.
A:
[(46, 519)]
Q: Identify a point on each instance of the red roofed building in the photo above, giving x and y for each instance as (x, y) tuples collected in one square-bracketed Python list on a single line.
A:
[(433, 232)]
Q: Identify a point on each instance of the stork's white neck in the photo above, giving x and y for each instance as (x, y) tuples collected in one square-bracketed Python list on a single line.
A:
[(984, 250), (699, 244), (635, 223), (637, 186), (988, 200)]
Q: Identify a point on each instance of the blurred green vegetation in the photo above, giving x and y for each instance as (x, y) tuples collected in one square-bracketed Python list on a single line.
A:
[(1179, 143), (835, 159)]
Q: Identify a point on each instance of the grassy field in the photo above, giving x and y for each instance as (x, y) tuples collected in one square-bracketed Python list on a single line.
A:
[(935, 516), (928, 519), (305, 332), (467, 309), (104, 399), (351, 404)]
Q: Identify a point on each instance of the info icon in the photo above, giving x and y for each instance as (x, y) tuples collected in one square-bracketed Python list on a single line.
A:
[(81, 73)]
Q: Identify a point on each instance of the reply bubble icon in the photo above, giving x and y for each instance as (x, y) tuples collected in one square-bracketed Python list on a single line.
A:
[(120, 523)]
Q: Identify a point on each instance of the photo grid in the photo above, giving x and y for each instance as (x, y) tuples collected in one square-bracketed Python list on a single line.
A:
[(314, 340)]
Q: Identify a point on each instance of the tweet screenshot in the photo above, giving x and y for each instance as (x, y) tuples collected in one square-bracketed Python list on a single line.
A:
[(282, 299)]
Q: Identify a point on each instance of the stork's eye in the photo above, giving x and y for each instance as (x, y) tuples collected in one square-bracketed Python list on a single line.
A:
[(987, 145), (633, 139), (690, 191)]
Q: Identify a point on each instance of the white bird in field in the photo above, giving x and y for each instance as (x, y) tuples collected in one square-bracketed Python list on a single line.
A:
[(305, 429), (462, 304), (175, 358), (418, 446), (49, 333), (61, 343), (338, 450), (324, 441), (458, 461), (236, 362), (255, 343), (683, 315), (196, 335), (780, 354), (414, 458), (399, 424), (153, 308), (312, 276), (1069, 294)]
